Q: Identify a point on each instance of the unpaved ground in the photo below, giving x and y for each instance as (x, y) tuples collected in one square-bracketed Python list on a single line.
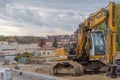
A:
[(46, 68), (92, 77)]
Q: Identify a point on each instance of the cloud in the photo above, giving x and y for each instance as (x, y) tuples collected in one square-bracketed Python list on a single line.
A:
[(44, 17), (4, 3), (20, 16)]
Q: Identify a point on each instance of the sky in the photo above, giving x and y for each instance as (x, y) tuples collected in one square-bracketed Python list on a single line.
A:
[(45, 17)]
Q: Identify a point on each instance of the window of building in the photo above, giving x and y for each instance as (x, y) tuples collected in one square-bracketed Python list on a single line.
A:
[(48, 53), (43, 53), (39, 53), (8, 49)]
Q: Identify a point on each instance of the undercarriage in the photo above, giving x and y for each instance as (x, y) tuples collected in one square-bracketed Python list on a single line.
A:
[(76, 69)]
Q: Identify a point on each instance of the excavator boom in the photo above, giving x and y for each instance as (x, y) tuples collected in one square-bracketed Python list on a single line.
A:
[(93, 21)]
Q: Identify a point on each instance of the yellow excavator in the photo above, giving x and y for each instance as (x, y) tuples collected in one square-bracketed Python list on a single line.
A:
[(94, 50)]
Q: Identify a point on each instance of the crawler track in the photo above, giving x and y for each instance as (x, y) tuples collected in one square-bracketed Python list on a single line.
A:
[(71, 67)]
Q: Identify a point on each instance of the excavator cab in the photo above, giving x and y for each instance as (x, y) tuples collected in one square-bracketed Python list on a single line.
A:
[(98, 46), (96, 43)]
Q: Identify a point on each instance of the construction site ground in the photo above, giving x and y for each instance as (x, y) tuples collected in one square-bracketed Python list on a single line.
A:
[(46, 68)]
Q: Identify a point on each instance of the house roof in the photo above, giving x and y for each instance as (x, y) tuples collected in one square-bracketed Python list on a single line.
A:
[(61, 38), (48, 48)]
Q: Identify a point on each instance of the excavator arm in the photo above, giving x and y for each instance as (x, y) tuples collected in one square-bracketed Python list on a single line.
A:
[(93, 21), (111, 33)]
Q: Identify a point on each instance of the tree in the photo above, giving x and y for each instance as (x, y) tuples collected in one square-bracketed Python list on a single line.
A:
[(55, 43), (2, 38), (118, 26)]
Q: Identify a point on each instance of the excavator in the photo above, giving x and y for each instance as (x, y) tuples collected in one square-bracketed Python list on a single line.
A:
[(95, 49)]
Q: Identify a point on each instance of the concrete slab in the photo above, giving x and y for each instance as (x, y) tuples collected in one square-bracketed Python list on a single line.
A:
[(25, 75)]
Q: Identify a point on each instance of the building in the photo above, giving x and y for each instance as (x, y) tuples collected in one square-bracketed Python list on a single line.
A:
[(44, 52), (8, 48), (41, 42), (12, 48), (15, 48), (30, 48), (62, 40)]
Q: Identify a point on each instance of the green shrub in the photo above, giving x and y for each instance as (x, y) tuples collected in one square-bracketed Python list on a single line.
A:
[(24, 55), (118, 48)]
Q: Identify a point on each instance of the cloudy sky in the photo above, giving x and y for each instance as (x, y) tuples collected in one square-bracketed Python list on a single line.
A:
[(45, 17)]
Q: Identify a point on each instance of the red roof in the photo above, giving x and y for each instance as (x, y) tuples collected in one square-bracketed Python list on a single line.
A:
[(58, 37), (48, 48), (2, 53)]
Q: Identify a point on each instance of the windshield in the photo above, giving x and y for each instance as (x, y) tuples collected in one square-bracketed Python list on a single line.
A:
[(99, 43), (98, 39)]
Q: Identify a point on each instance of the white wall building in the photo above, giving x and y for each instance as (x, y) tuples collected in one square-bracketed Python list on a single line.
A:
[(30, 48), (8, 48), (15, 48), (47, 52)]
